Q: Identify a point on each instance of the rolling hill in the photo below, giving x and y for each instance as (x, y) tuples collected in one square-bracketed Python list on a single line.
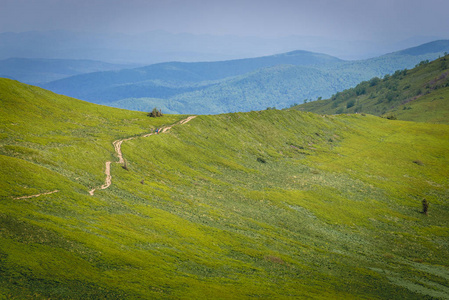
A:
[(419, 94), (215, 87), (267, 204)]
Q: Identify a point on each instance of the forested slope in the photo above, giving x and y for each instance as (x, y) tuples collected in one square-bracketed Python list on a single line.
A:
[(419, 94)]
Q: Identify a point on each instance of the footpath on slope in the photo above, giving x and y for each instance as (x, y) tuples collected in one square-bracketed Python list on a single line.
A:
[(37, 195), (117, 147)]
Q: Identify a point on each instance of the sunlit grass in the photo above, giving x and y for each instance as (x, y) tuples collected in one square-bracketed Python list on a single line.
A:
[(272, 204)]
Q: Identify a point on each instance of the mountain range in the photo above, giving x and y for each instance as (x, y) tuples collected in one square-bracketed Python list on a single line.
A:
[(161, 46), (237, 85), (39, 71)]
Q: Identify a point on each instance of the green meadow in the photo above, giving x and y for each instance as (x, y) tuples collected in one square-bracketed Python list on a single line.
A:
[(267, 204)]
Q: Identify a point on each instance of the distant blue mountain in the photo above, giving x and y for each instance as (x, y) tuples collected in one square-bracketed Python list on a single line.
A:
[(168, 79), (160, 46), (38, 71), (433, 47), (238, 85)]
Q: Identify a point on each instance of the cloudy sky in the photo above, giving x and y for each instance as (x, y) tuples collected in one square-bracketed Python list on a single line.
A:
[(341, 19)]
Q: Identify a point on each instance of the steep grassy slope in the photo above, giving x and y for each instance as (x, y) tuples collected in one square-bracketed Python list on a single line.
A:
[(420, 94), (273, 204), (61, 133)]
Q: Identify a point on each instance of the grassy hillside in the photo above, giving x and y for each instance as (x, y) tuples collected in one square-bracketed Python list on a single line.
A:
[(238, 85), (271, 204), (420, 94), (60, 128)]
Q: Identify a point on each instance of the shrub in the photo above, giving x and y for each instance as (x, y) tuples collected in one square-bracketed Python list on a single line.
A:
[(389, 117), (360, 90), (422, 63), (425, 206), (374, 81), (335, 96), (125, 166), (155, 113), (261, 160), (418, 162), (350, 104), (390, 96)]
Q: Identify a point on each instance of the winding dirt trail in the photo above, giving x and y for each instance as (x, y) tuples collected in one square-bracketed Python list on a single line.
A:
[(118, 150), (37, 195)]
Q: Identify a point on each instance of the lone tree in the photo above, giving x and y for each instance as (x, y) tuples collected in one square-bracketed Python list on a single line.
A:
[(155, 113)]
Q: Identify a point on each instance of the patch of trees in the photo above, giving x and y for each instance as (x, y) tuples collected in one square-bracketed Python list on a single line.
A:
[(374, 81), (422, 63), (350, 104)]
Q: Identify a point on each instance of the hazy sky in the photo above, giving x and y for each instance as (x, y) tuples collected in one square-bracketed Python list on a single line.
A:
[(344, 19)]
